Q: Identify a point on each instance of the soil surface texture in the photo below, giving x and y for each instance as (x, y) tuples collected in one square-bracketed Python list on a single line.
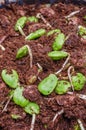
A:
[(71, 107)]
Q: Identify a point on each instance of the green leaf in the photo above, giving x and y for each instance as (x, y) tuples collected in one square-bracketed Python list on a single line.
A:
[(57, 55), (53, 31), (11, 80), (20, 23), (18, 97), (32, 108), (81, 30), (32, 19), (76, 127), (36, 34), (15, 117), (62, 87), (59, 42), (78, 81), (48, 84), (23, 51)]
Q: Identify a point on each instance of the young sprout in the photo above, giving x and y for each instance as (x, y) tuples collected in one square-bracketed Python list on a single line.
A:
[(78, 81), (63, 66), (32, 19), (18, 97), (57, 55), (12, 80), (81, 30), (69, 76), (33, 109), (48, 84), (2, 48), (20, 24), (23, 51), (56, 31), (40, 16), (73, 13), (57, 114), (62, 87), (59, 42), (6, 105), (36, 34), (80, 124)]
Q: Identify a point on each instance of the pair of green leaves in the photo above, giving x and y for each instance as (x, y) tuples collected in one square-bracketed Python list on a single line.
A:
[(48, 84), (19, 99), (22, 21), (81, 30)]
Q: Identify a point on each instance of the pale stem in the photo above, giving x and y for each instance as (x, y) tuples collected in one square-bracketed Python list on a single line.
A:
[(80, 124), (81, 96), (39, 15), (73, 13), (40, 68), (21, 31), (66, 61), (33, 122), (57, 114), (6, 105), (2, 48), (2, 39), (69, 76), (31, 56)]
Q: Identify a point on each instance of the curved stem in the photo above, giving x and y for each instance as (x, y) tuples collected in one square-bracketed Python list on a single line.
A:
[(31, 56), (69, 76), (66, 61), (21, 31), (39, 15), (33, 122)]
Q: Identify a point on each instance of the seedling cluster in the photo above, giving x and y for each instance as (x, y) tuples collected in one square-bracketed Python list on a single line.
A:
[(51, 83)]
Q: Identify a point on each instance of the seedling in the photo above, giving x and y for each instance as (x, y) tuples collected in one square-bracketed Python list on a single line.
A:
[(81, 30), (63, 66), (12, 80), (48, 84), (32, 19), (57, 55), (23, 51), (40, 16), (59, 42), (69, 76), (36, 34), (54, 31), (20, 24), (62, 87), (18, 98), (73, 13), (84, 17), (78, 81), (57, 114), (32, 109)]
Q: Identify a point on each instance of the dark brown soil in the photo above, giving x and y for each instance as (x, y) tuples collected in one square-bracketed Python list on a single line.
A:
[(74, 108)]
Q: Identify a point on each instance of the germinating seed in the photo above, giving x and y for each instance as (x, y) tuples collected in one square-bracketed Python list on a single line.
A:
[(36, 34), (57, 55), (78, 81), (18, 98), (47, 85), (59, 42), (62, 87), (12, 80), (20, 23)]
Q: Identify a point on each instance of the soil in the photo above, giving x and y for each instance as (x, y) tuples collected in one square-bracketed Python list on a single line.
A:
[(74, 107)]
